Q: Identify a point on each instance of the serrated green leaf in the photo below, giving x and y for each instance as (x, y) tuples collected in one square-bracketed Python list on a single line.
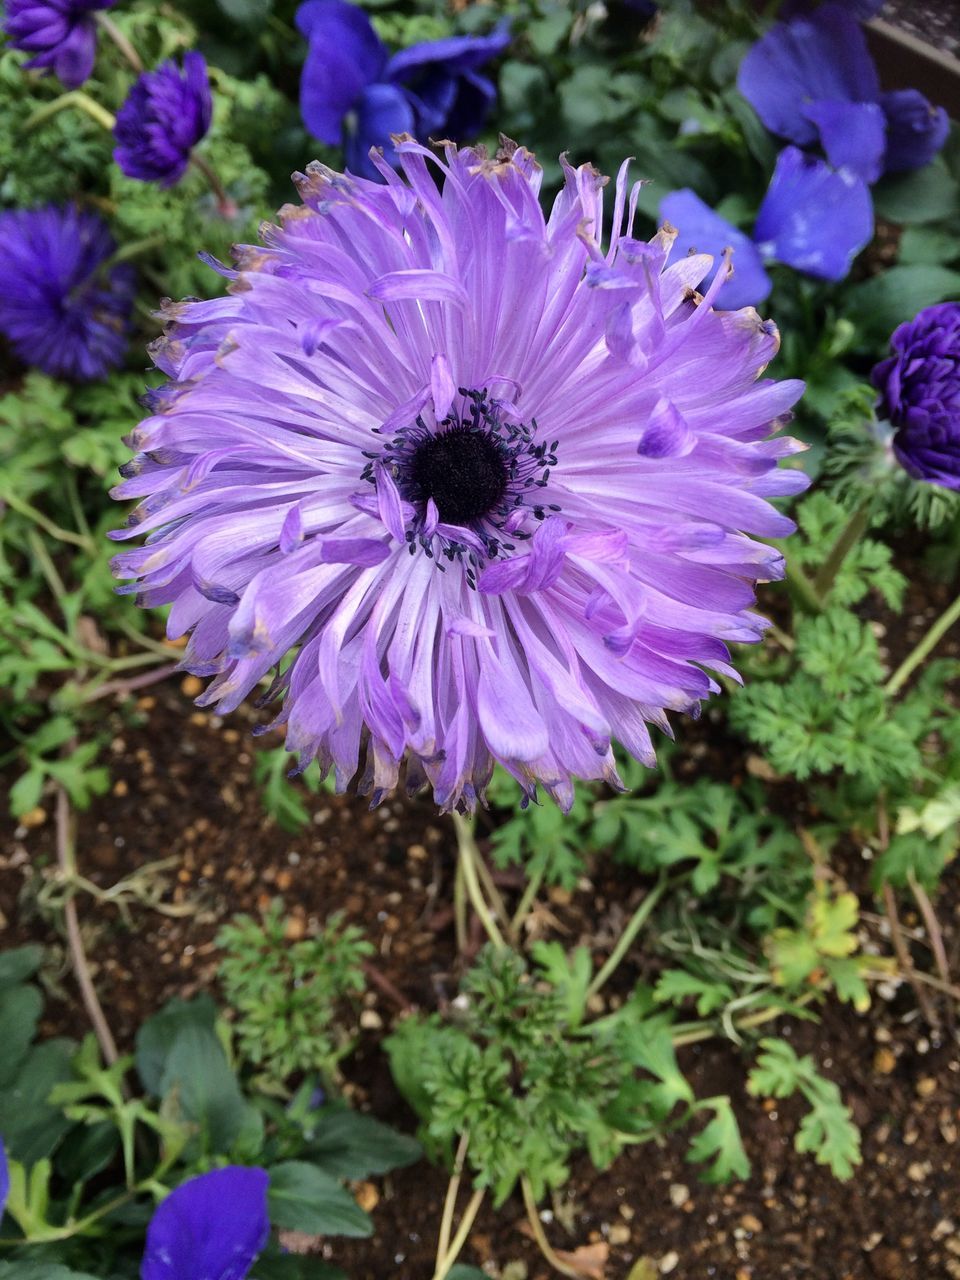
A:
[(720, 1144)]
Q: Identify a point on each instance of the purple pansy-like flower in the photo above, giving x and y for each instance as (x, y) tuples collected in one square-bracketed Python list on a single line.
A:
[(919, 389), (61, 35), (702, 230), (166, 113), (352, 90), (209, 1228), (478, 487), (813, 218), (812, 79), (61, 307)]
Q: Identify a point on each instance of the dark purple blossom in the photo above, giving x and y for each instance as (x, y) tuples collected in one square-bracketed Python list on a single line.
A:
[(166, 113), (489, 482), (61, 35), (702, 230), (61, 308), (813, 218), (210, 1228), (919, 389), (812, 80), (916, 131), (353, 91)]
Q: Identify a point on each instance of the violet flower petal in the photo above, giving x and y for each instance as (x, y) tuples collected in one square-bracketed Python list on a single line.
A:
[(702, 230), (916, 131), (853, 134), (211, 1227), (345, 56)]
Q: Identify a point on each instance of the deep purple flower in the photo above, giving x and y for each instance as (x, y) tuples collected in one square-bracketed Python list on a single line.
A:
[(488, 483), (813, 218), (165, 115), (61, 308), (61, 34), (702, 230), (812, 79), (919, 389), (209, 1228), (353, 90), (916, 131)]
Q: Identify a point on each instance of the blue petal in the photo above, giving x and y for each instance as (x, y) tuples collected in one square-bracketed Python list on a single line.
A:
[(915, 130), (345, 56), (382, 110), (703, 230), (821, 57), (4, 1178), (456, 53), (210, 1228), (813, 218), (450, 99), (853, 134)]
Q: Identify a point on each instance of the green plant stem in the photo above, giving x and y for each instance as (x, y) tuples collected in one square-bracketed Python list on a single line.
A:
[(120, 40), (24, 508), (469, 856), (225, 206), (75, 98), (526, 902), (134, 249), (78, 1227), (849, 536), (800, 587), (694, 1034), (450, 1200), (460, 1239), (637, 921), (460, 907), (536, 1226), (923, 649)]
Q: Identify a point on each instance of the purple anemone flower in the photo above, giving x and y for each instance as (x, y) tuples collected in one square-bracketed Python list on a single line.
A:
[(919, 389), (702, 230), (353, 90), (812, 79), (479, 488), (61, 35), (209, 1228), (61, 307), (165, 115), (813, 218)]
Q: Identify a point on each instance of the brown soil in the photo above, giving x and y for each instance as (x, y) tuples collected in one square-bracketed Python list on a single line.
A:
[(183, 790)]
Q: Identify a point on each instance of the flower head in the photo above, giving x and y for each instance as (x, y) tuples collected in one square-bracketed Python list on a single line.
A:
[(491, 483), (61, 34), (209, 1228), (165, 115), (352, 89), (61, 308), (916, 131), (919, 389)]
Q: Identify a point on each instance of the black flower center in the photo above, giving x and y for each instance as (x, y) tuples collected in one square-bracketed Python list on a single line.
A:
[(464, 470)]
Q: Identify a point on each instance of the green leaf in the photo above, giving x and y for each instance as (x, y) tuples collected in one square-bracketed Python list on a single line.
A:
[(26, 792), (649, 1045), (293, 1266), (926, 195), (31, 1128), (349, 1145), (461, 1272), (829, 1133), (20, 1009), (676, 985), (928, 244), (40, 1271), (86, 1152), (720, 1143), (886, 300), (19, 964), (156, 1036), (302, 1197), (198, 1077)]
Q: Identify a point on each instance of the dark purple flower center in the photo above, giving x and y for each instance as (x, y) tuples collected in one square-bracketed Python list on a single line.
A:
[(465, 471)]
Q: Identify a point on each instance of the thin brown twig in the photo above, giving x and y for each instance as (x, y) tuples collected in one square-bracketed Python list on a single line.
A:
[(903, 956), (66, 857), (133, 682), (935, 936), (387, 987)]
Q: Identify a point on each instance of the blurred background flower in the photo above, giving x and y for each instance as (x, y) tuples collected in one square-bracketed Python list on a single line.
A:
[(63, 308), (61, 34), (352, 90), (166, 113), (919, 389), (212, 1226)]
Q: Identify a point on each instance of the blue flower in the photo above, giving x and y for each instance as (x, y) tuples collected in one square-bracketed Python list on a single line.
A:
[(61, 34), (703, 231), (919, 388), (166, 113), (61, 307), (210, 1228), (813, 218), (812, 80), (353, 91)]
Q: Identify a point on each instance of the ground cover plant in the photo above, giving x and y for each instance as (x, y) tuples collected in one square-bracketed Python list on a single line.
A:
[(568, 472)]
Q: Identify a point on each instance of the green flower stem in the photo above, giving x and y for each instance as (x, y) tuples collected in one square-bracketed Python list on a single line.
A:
[(695, 1032), (133, 250), (536, 1226), (70, 1229), (625, 941), (468, 860), (24, 508), (800, 587), (526, 901), (75, 98), (225, 206), (450, 1200), (460, 1239), (850, 535), (923, 649), (120, 40)]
